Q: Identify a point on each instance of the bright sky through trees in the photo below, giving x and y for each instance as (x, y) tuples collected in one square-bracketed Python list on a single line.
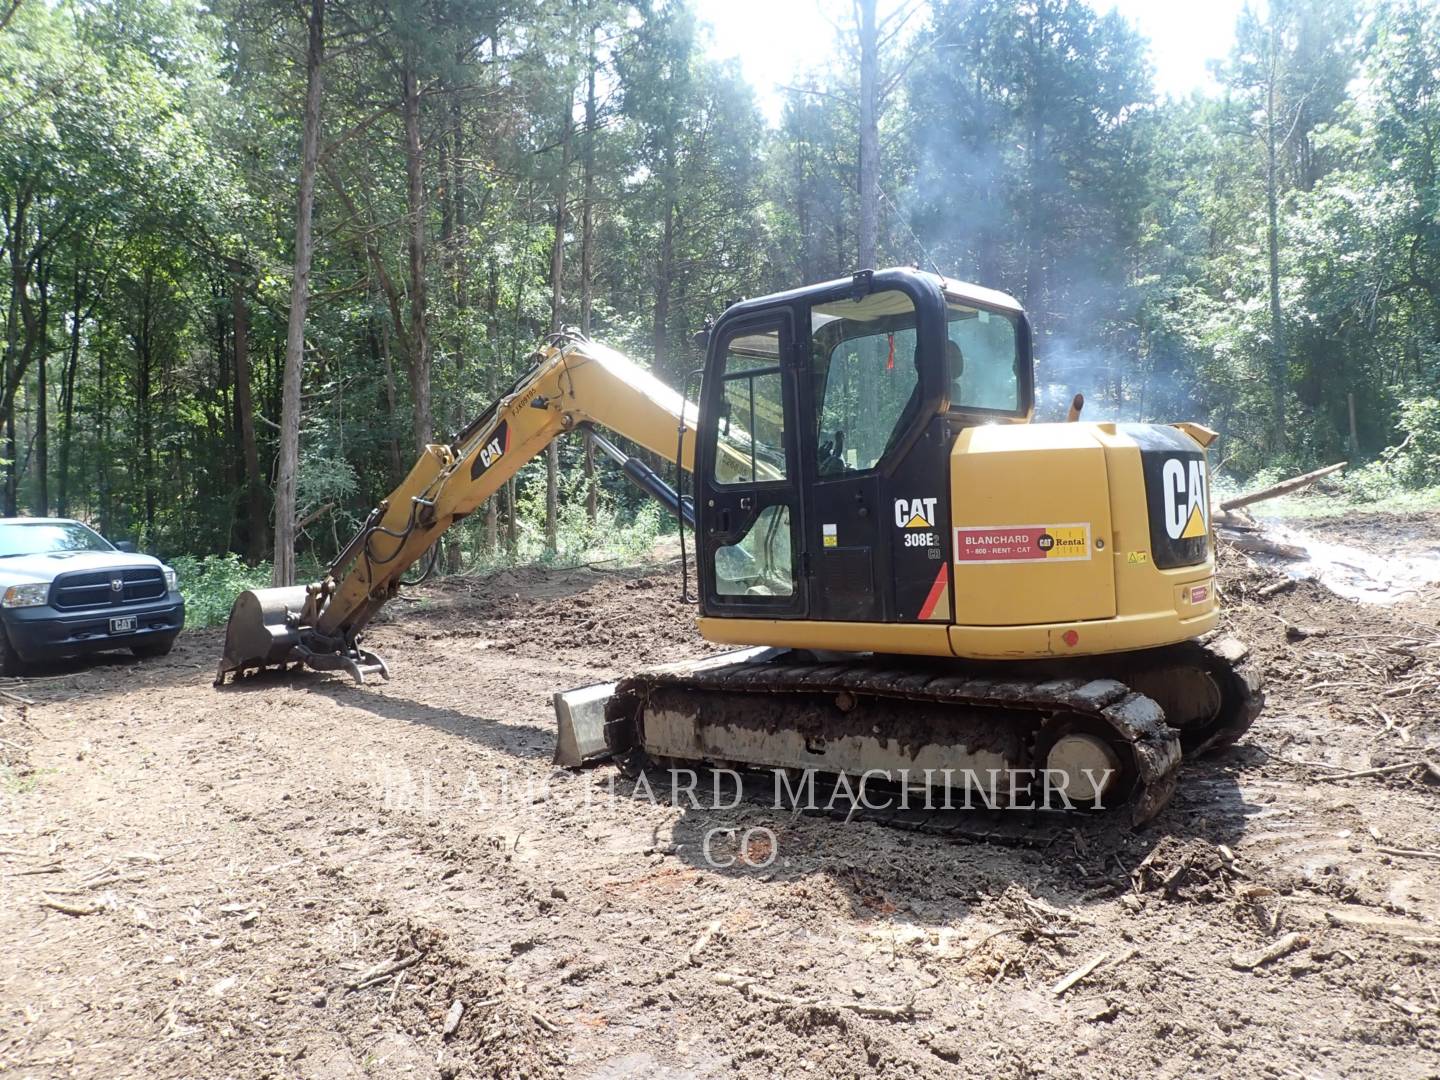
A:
[(776, 39)]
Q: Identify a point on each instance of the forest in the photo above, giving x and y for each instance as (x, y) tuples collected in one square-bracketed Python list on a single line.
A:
[(255, 254)]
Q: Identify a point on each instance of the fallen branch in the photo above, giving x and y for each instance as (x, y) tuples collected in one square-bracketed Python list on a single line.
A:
[(1258, 545), (1274, 951), (1379, 923), (381, 972), (1381, 771), (1409, 853), (314, 516), (70, 909), (1277, 587), (17, 698), (752, 989), (1079, 973), (1285, 487)]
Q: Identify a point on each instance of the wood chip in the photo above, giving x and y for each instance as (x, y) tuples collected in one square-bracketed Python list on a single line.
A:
[(1079, 973), (1249, 961), (452, 1018), (703, 941), (1409, 853), (70, 909), (1383, 770), (1361, 920), (383, 971)]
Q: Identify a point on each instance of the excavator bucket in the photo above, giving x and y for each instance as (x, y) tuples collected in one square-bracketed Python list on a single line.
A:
[(262, 630)]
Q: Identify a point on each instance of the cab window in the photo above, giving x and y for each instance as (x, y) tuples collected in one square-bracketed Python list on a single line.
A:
[(750, 427), (865, 379), (982, 358)]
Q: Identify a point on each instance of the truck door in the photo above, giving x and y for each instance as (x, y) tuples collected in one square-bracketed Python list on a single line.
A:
[(748, 502)]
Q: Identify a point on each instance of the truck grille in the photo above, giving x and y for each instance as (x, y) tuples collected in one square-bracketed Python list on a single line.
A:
[(96, 588)]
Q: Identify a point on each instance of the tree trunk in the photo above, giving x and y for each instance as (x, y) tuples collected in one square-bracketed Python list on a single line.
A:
[(869, 172), (144, 366), (1272, 240), (14, 363), (289, 455), (492, 386), (511, 533), (1035, 225), (665, 271), (102, 436), (80, 286), (456, 245), (42, 396), (587, 258), (380, 352), (245, 413), (415, 208), (557, 301)]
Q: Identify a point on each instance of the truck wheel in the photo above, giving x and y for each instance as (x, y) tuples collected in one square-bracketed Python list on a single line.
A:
[(10, 662), (152, 649)]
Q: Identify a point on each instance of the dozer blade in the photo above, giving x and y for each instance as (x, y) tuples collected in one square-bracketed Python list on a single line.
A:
[(581, 716), (580, 713), (262, 630)]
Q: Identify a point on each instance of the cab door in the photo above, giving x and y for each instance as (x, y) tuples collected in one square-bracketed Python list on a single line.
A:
[(867, 407), (750, 528)]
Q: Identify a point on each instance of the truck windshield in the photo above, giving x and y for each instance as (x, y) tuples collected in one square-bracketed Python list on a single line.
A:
[(42, 537)]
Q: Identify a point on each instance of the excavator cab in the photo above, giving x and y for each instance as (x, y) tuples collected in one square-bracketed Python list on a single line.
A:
[(826, 421)]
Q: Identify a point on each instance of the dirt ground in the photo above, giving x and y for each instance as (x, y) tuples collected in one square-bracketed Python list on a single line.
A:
[(301, 878)]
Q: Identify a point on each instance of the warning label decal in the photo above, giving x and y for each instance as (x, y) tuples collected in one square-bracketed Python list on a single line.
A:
[(1022, 543)]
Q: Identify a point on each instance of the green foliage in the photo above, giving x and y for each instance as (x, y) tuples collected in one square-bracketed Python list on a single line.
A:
[(210, 585), (148, 160)]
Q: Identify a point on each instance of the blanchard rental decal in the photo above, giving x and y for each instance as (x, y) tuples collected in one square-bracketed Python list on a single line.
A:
[(1022, 543)]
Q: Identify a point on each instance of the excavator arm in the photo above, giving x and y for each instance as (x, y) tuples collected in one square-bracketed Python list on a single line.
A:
[(573, 381)]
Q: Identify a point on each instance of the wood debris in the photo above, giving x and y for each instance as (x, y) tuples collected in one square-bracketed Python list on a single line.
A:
[(452, 1018), (1249, 961), (1079, 973), (703, 941), (67, 908), (1285, 487), (381, 972), (757, 991)]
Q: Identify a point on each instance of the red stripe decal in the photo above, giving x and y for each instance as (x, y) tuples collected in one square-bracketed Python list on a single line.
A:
[(941, 580)]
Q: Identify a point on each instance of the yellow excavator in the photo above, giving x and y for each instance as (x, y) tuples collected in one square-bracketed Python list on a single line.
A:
[(926, 583)]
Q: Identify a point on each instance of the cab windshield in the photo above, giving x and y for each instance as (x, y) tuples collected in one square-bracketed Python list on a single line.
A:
[(983, 359), (44, 537)]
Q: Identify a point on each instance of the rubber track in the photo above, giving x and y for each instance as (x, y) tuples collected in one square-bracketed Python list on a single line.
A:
[(1135, 719)]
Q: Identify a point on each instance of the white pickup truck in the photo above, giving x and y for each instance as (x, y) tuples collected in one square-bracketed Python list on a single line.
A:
[(67, 591)]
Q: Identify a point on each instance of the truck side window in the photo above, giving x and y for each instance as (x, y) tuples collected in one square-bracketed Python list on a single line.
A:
[(750, 434), (863, 367)]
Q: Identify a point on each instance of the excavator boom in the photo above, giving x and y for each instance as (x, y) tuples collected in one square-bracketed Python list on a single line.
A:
[(572, 382)]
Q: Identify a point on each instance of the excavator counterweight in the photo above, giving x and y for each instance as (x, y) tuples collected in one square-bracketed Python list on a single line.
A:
[(922, 581)]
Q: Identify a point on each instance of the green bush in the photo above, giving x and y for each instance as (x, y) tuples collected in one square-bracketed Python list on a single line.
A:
[(210, 585)]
